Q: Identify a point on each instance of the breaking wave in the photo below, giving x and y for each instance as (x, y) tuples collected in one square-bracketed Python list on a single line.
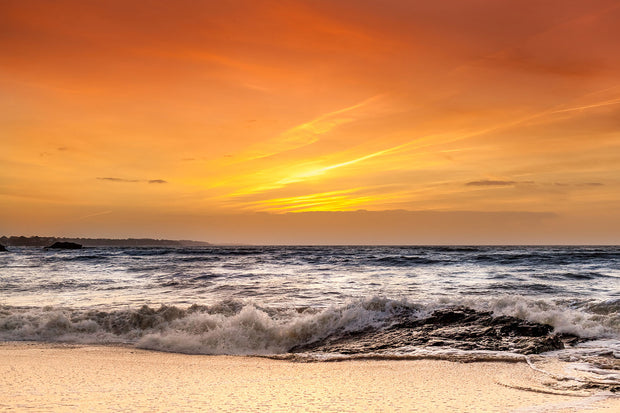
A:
[(509, 324)]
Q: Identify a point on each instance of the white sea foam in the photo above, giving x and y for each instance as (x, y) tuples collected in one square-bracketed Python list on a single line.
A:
[(253, 331), (235, 327), (225, 328), (565, 318)]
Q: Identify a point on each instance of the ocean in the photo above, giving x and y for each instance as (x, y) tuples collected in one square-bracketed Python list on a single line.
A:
[(324, 303)]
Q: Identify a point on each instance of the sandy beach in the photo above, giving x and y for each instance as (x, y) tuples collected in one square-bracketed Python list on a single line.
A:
[(48, 377)]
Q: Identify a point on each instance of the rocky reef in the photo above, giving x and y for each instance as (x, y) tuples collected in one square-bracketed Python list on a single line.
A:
[(460, 328)]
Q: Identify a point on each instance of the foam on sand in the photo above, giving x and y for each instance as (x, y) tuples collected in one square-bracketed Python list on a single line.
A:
[(61, 377)]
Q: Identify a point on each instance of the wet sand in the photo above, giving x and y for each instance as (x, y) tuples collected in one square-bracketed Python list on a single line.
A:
[(46, 377)]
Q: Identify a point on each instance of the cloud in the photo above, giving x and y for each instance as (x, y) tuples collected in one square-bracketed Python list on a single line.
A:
[(487, 182), (150, 181), (579, 184), (508, 183), (310, 132), (117, 179), (313, 173), (95, 214)]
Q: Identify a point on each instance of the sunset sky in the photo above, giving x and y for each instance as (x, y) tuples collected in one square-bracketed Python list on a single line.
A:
[(424, 122)]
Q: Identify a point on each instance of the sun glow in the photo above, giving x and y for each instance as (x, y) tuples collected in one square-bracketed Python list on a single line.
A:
[(306, 107)]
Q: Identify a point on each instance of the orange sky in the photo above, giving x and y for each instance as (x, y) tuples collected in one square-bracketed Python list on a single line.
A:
[(236, 121)]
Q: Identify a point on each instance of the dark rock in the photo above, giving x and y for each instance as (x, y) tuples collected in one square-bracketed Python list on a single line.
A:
[(571, 340), (2, 248), (462, 328), (65, 246), (541, 344), (446, 316), (517, 327)]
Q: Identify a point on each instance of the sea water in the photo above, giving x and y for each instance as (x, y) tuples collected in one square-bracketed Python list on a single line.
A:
[(320, 302)]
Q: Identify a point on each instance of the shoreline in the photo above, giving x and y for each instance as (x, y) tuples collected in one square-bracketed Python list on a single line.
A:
[(76, 377)]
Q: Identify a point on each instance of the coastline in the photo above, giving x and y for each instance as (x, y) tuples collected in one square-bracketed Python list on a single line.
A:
[(67, 377)]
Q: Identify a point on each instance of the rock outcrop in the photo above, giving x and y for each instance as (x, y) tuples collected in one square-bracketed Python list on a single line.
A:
[(65, 246), (456, 328)]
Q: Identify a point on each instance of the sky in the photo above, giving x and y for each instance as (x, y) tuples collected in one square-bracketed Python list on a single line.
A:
[(312, 122)]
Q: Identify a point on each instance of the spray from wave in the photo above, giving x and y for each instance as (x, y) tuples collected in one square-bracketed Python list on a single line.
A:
[(509, 324), (229, 327)]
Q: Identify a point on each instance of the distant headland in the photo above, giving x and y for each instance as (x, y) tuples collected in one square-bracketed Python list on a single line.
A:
[(35, 241)]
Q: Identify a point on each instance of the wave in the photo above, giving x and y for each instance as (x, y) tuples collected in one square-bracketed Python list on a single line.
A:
[(79, 258), (403, 261), (229, 327), (540, 256), (367, 326), (531, 287), (200, 258)]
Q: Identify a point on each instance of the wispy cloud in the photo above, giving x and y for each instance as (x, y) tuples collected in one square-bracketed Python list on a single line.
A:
[(96, 214), (121, 180), (580, 184), (338, 200), (590, 106), (314, 170), (112, 179), (309, 132), (317, 201), (488, 182)]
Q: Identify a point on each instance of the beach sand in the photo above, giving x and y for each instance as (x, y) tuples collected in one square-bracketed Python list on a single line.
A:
[(49, 377)]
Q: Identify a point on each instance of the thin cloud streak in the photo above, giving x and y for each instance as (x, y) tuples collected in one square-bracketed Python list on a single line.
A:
[(490, 183), (96, 214), (592, 106), (123, 180), (306, 133), (112, 179)]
